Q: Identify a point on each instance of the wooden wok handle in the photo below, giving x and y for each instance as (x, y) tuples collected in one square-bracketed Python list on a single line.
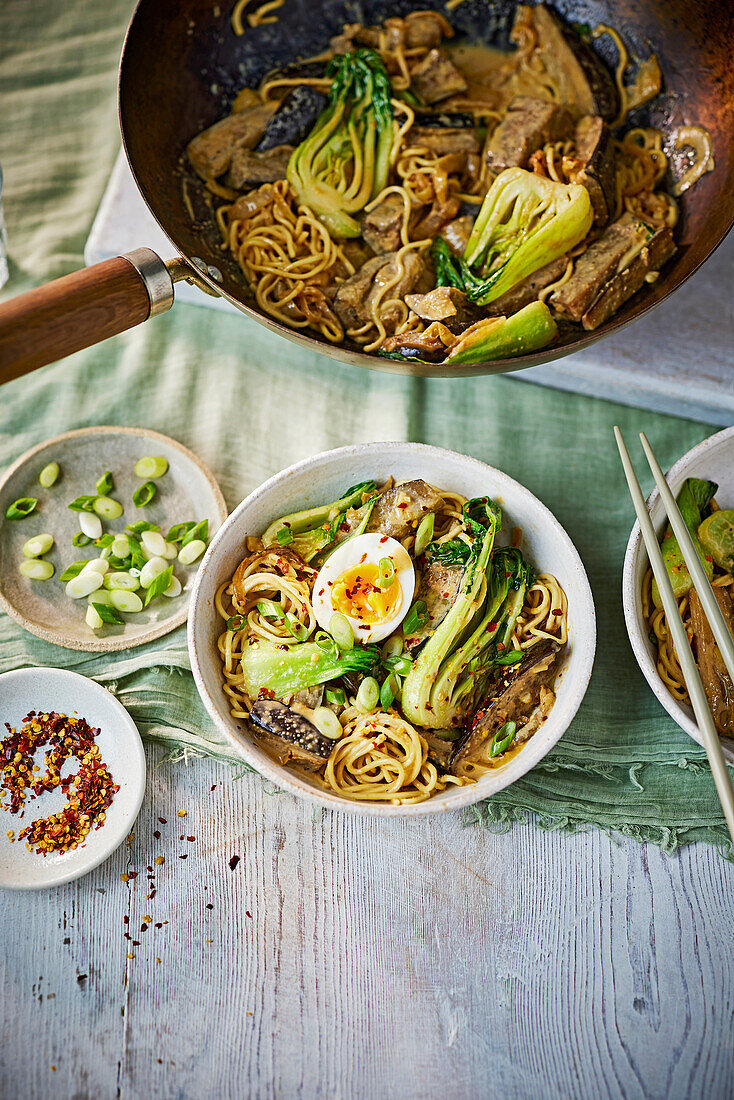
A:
[(81, 309)]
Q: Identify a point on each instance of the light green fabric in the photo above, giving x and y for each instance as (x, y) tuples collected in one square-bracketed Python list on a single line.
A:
[(250, 404)]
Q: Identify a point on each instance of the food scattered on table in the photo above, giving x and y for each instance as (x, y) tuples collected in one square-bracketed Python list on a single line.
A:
[(712, 531), (445, 202), (138, 559), (89, 792), (384, 646)]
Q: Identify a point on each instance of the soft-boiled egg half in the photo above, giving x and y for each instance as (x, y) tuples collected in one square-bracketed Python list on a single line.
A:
[(354, 581)]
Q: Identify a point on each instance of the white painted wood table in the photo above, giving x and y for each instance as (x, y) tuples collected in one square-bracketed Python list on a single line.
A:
[(346, 957)]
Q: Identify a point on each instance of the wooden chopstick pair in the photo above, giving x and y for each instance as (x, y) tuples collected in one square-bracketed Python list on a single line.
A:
[(705, 592)]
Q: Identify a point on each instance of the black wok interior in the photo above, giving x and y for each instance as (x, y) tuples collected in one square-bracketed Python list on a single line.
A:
[(182, 66)]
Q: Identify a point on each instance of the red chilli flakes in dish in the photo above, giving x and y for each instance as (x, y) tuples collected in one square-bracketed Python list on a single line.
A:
[(89, 792)]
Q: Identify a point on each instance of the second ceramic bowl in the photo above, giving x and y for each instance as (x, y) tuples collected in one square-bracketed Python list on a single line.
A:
[(323, 478), (713, 459)]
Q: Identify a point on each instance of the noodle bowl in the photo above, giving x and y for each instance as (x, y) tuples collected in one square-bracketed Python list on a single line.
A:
[(320, 480)]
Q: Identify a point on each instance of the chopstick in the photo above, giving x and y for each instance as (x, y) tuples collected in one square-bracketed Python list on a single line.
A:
[(699, 702)]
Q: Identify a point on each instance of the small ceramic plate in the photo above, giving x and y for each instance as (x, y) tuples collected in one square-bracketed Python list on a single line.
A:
[(188, 491), (54, 689)]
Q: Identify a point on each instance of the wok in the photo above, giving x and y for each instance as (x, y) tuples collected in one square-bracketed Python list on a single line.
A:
[(181, 67)]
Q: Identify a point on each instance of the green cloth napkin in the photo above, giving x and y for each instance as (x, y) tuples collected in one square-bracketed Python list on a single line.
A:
[(250, 404)]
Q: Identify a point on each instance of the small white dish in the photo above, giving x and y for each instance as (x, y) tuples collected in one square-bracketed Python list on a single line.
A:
[(54, 689), (713, 460), (323, 478), (188, 491)]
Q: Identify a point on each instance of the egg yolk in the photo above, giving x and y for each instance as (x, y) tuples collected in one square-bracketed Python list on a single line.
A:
[(357, 593)]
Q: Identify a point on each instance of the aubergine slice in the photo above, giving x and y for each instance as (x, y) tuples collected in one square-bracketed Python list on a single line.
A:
[(289, 736), (399, 511), (512, 699), (294, 118), (581, 77), (594, 146), (438, 588), (716, 680)]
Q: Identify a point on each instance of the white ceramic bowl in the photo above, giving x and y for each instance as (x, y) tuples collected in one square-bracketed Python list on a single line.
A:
[(714, 460), (323, 478)]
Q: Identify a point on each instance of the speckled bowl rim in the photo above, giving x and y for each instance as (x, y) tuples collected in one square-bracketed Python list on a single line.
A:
[(533, 752), (632, 597), (117, 642)]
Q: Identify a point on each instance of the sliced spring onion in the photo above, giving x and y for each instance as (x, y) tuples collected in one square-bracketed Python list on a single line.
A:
[(174, 589), (389, 690), (191, 551), (416, 618), (121, 546), (141, 525), (448, 734), (49, 475), (327, 723), (236, 622), (121, 582), (325, 642), (105, 540), (144, 494), (511, 657), (341, 631), (284, 536), (401, 665), (171, 551), (21, 508), (387, 572), (37, 570), (424, 534), (159, 584), (106, 552), (96, 565), (296, 627), (93, 618), (80, 539), (152, 569), (270, 610), (179, 531), (108, 508), (503, 738), (100, 596), (73, 570), (107, 612), (83, 584), (393, 647), (126, 601), (137, 557), (91, 525), (82, 504), (151, 466), (37, 545), (105, 484), (336, 696), (198, 531), (368, 696), (154, 543)]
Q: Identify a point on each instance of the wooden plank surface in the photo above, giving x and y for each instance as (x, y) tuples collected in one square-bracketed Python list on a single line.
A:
[(356, 958)]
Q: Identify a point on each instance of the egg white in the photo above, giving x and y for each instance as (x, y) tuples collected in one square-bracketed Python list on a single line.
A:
[(372, 547)]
